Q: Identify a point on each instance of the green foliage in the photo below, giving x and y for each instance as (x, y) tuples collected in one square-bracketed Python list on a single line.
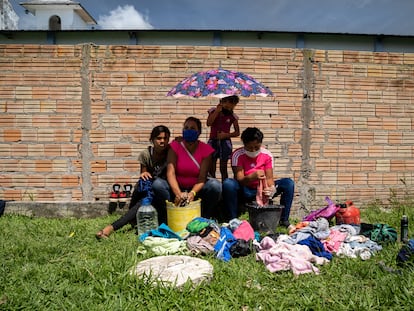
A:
[(57, 264)]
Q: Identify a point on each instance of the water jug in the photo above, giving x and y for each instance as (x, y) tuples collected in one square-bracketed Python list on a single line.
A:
[(348, 214), (147, 217)]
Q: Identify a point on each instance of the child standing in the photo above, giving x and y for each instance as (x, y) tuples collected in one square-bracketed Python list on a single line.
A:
[(221, 119)]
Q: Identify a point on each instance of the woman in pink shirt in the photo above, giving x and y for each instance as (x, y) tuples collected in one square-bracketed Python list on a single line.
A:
[(251, 164), (188, 162)]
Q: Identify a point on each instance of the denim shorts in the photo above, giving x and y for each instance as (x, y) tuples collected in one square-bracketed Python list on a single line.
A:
[(223, 148)]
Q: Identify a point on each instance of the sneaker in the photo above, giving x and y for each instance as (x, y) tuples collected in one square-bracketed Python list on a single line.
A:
[(114, 197), (128, 190), (122, 199), (116, 188), (113, 202)]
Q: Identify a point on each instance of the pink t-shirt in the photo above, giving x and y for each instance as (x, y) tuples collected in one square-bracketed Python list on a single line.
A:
[(186, 170), (263, 161), (222, 123)]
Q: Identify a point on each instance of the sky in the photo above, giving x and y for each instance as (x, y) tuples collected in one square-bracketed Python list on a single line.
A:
[(388, 17)]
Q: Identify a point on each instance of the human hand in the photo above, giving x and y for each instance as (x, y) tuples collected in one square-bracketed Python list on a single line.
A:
[(219, 107), (178, 139), (181, 199), (145, 176), (269, 191), (260, 174), (191, 196)]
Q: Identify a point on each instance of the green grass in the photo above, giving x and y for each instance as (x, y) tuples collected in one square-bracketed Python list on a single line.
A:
[(45, 267)]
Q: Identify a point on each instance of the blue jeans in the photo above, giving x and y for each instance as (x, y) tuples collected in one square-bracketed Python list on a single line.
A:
[(233, 191), (210, 195)]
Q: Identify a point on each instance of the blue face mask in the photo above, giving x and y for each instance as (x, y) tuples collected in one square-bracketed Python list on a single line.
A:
[(190, 135)]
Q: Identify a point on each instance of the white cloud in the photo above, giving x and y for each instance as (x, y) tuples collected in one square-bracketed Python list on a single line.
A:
[(125, 17)]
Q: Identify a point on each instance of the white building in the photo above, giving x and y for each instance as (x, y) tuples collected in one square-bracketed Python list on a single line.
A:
[(67, 22), (59, 15), (8, 17)]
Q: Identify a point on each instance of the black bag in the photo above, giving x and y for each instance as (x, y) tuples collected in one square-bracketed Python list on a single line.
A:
[(380, 233), (241, 248), (405, 257)]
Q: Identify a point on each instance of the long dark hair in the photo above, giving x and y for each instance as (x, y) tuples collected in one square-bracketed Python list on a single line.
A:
[(158, 130)]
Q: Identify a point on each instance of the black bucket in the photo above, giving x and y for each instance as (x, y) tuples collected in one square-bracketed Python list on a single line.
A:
[(264, 219)]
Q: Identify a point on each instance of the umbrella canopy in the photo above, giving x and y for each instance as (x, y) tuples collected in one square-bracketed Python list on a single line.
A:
[(219, 83)]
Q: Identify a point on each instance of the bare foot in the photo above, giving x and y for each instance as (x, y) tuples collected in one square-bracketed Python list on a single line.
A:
[(105, 232)]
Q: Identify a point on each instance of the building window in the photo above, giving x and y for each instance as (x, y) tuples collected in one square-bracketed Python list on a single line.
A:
[(54, 23)]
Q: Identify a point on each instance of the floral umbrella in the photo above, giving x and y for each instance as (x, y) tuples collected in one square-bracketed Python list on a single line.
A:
[(219, 83)]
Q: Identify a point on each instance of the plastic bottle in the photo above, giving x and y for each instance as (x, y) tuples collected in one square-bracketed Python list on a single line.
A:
[(404, 229), (147, 217), (348, 214)]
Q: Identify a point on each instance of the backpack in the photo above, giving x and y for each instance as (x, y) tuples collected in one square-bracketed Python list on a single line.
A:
[(380, 233), (327, 212), (198, 224)]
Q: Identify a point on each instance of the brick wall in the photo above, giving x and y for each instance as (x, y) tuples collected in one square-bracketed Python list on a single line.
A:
[(74, 118)]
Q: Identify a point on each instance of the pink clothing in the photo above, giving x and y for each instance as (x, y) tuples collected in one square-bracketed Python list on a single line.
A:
[(244, 231), (186, 170), (333, 243), (222, 123), (250, 165), (280, 256), (261, 199)]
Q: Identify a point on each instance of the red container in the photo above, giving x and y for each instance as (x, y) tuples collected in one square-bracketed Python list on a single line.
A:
[(348, 214)]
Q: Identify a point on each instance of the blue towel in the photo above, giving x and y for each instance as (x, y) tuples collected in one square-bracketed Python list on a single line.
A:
[(224, 243), (316, 247), (145, 186), (163, 231)]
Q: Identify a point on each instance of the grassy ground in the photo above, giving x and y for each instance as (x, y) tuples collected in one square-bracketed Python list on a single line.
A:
[(57, 264)]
